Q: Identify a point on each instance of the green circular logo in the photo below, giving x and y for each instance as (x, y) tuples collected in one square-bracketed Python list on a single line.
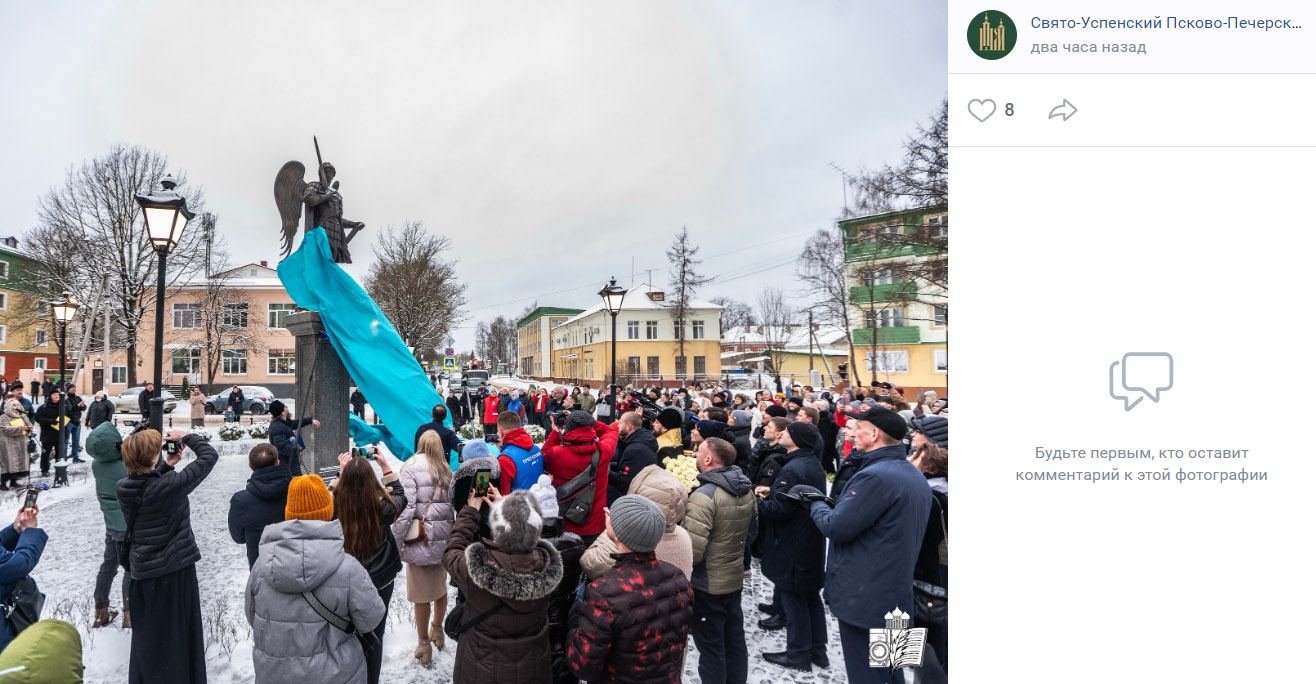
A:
[(992, 34)]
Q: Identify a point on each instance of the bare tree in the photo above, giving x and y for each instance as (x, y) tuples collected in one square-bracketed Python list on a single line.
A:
[(685, 279), (496, 340), (777, 318), (822, 269), (734, 314), (91, 225), (415, 286)]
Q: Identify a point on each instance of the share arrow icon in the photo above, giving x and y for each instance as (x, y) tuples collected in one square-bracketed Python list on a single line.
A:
[(1064, 111)]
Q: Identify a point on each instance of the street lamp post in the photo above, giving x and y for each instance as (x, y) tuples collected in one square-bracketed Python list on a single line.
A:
[(63, 311), (613, 295), (166, 216)]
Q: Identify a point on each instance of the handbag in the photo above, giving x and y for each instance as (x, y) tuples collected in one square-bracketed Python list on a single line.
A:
[(22, 605), (575, 498), (930, 599), (452, 625), (416, 530), (370, 642)]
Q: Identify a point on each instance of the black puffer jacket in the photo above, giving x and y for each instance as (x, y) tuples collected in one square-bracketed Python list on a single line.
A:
[(98, 412), (635, 452), (570, 547), (634, 623), (738, 435), (161, 528), (283, 435), (262, 503), (48, 419)]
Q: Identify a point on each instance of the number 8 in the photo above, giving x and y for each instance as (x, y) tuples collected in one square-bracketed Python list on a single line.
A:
[(1009, 109)]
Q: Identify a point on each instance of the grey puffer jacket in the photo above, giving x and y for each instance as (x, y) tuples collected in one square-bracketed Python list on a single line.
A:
[(293, 643), (162, 539), (423, 499)]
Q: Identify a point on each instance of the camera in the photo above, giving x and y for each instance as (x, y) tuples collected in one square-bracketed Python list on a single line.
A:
[(171, 447), (560, 417), (365, 451)]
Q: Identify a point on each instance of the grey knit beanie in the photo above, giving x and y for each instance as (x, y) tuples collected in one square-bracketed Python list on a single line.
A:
[(515, 522), (637, 522)]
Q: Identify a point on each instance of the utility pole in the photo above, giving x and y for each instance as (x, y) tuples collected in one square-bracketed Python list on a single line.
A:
[(811, 342)]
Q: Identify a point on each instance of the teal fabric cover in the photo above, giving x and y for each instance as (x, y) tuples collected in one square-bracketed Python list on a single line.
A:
[(369, 346)]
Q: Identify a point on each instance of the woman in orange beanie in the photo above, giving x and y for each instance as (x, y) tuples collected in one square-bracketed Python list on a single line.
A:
[(293, 642)]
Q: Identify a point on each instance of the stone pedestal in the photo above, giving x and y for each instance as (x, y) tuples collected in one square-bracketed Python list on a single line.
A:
[(319, 367)]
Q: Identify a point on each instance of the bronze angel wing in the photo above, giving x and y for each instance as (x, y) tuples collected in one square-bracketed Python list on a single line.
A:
[(288, 187)]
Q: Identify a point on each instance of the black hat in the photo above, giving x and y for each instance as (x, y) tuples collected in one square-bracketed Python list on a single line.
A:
[(885, 399), (797, 399), (886, 420), (804, 435), (578, 419), (670, 418), (775, 410), (276, 409), (711, 428), (935, 428)]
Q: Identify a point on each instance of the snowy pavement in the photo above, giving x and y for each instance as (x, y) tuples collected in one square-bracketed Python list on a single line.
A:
[(67, 574)]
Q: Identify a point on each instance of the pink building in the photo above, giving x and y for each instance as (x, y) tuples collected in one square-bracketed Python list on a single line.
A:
[(232, 321)]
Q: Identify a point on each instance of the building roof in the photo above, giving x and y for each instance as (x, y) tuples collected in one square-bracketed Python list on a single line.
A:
[(797, 336), (545, 311), (874, 218), (242, 277), (638, 299)]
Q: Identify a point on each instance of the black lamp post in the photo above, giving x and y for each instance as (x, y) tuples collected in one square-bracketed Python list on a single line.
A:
[(63, 311), (612, 295), (166, 216)]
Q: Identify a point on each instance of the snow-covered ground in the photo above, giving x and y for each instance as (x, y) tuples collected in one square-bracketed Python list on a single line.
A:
[(67, 574)]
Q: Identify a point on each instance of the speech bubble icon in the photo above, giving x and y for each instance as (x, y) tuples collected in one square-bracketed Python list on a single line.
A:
[(1129, 402), (1147, 372)]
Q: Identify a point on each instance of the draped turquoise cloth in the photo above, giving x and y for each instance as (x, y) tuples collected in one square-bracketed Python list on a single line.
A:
[(370, 348)]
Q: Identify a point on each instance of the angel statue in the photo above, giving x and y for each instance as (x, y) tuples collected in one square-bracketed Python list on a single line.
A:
[(324, 207)]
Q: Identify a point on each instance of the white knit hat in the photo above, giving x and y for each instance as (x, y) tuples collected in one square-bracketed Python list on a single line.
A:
[(546, 495)]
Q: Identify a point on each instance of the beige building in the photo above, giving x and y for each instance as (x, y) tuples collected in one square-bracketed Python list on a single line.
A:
[(232, 321), (647, 347), (532, 338)]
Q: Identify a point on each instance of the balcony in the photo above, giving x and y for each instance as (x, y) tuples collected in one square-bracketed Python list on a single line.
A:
[(906, 334), (874, 251), (893, 292)]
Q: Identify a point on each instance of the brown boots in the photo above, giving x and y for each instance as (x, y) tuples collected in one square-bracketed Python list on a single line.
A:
[(436, 625), (425, 652), (127, 620)]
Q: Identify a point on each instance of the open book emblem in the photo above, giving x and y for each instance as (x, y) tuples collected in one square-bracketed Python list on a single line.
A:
[(896, 646)]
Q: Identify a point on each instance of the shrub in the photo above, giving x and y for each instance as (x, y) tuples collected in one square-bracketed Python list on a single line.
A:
[(231, 431), (259, 430), (203, 433), (536, 433)]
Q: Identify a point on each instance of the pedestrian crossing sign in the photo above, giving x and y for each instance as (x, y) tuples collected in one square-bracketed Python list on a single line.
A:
[(450, 362)]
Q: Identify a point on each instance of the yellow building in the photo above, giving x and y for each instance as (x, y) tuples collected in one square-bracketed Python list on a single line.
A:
[(648, 351), (899, 300), (532, 336)]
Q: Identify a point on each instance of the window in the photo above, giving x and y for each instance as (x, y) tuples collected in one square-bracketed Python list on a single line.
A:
[(187, 315), (632, 330), (235, 361), (278, 312), (676, 330), (43, 308), (39, 363), (40, 337), (700, 366), (939, 360), (878, 276), (4, 334), (889, 362), (884, 318), (633, 365), (937, 271), (118, 375), (939, 316), (680, 366), (4, 301), (235, 316), (653, 366), (937, 226), (697, 330), (4, 269), (651, 330), (281, 361), (889, 228), (186, 360)]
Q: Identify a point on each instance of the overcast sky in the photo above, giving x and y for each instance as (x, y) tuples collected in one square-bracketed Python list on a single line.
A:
[(551, 141)]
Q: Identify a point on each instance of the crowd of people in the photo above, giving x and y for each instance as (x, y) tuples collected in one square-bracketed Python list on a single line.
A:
[(578, 559)]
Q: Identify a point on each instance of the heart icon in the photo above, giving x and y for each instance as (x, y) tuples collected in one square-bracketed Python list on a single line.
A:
[(982, 110)]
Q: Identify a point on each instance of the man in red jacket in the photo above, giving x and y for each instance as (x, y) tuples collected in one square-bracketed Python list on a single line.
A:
[(567, 453), (490, 416)]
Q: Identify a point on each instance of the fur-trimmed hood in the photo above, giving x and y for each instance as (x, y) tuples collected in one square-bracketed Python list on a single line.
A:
[(515, 576)]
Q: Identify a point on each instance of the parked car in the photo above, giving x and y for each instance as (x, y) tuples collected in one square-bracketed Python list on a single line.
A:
[(257, 400), (126, 402)]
